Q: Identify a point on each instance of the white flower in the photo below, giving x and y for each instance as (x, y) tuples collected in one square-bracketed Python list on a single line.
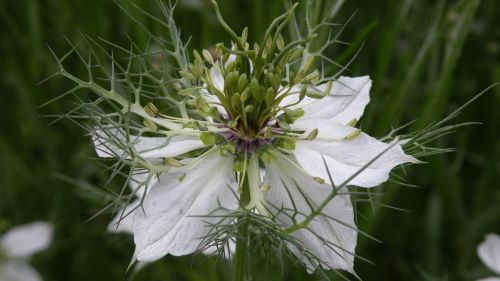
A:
[(180, 206), (489, 253), (18, 245)]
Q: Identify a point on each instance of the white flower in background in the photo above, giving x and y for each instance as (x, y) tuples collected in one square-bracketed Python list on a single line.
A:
[(16, 247), (489, 253)]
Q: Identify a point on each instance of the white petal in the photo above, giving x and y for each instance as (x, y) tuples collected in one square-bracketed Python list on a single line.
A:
[(124, 218), (489, 252), (217, 77), (109, 145), (345, 157), (331, 239), (171, 222), (18, 271), (489, 279), (346, 101), (25, 240)]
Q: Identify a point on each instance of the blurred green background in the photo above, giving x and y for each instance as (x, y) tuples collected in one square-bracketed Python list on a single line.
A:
[(426, 58)]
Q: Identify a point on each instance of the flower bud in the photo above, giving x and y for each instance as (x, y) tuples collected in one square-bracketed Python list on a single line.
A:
[(208, 57)]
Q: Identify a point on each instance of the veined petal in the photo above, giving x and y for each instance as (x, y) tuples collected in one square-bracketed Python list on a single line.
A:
[(346, 101), (25, 240), (345, 157), (110, 144), (489, 252), (176, 214), (18, 271), (330, 237)]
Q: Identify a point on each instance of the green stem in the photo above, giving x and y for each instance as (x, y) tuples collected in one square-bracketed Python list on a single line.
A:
[(240, 260)]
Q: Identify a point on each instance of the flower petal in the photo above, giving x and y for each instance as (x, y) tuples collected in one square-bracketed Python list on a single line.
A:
[(110, 144), (489, 252), (18, 271), (124, 218), (330, 237), (346, 157), (25, 240), (171, 222), (346, 101)]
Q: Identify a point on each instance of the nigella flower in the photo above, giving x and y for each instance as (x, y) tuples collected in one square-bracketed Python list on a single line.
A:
[(17, 245), (254, 129), (489, 253), (290, 143)]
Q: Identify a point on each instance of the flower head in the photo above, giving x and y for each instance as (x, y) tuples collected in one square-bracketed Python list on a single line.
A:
[(258, 127), (18, 245), (269, 141)]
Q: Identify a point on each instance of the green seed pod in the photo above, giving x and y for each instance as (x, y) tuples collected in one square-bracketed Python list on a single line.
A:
[(231, 81), (280, 43), (185, 92), (249, 108), (270, 95), (208, 57), (312, 77), (254, 88), (236, 100), (234, 65), (328, 88), (271, 78), (242, 82), (244, 34), (245, 95), (296, 53), (308, 64), (256, 47), (197, 56), (186, 75), (302, 93)]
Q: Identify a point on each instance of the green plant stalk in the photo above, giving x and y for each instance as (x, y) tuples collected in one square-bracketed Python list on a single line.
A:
[(240, 256)]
